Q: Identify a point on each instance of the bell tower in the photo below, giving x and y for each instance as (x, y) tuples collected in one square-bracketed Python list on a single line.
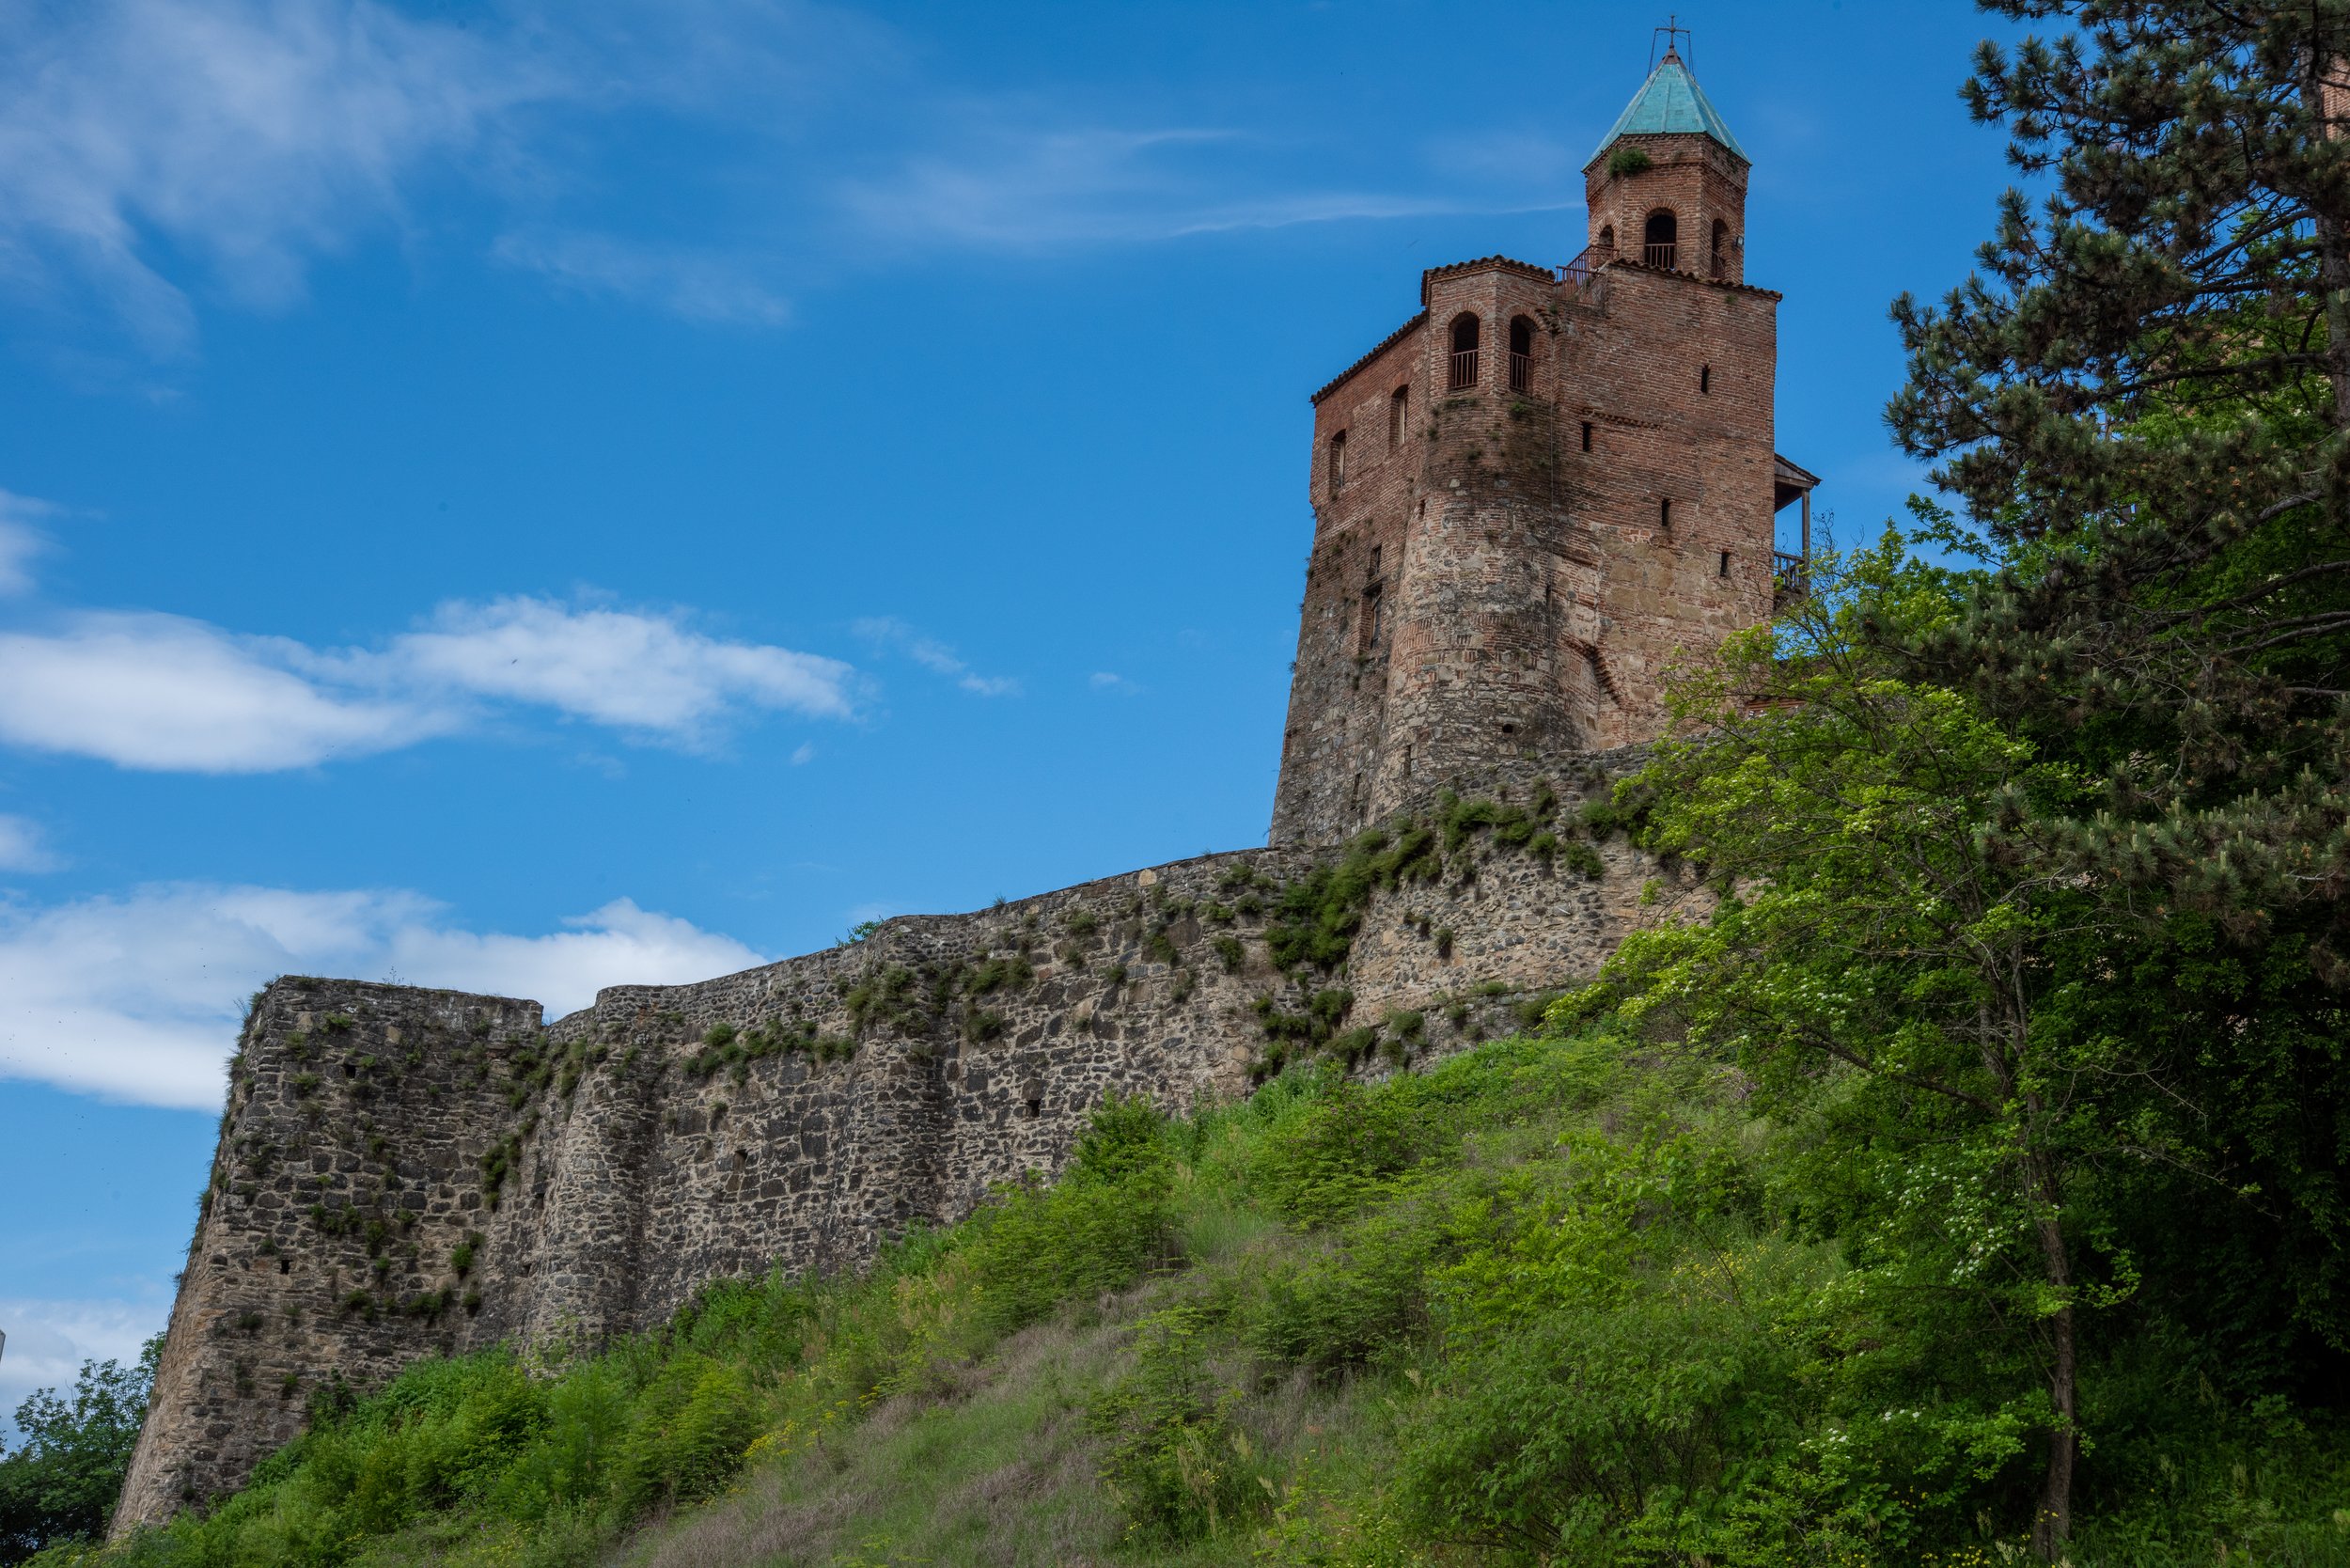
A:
[(1667, 186), (1541, 490)]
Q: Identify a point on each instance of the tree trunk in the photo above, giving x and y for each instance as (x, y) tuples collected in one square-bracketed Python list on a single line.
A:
[(2002, 1048), (2053, 1521), (2323, 87)]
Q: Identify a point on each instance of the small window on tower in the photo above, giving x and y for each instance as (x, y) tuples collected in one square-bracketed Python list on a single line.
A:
[(1660, 240), (1399, 417), (1665, 512), (1587, 436), (1371, 628), (1608, 238), (1337, 463), (1725, 570), (1521, 353), (1373, 572), (1465, 340), (1705, 378), (1720, 264)]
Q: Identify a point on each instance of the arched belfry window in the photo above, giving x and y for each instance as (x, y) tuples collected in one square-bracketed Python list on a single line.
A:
[(1660, 240), (1521, 353), (1719, 261), (1608, 238), (1465, 330), (1337, 463)]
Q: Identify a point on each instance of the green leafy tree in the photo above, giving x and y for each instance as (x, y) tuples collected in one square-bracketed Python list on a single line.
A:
[(61, 1482), (2021, 1093), (2143, 399)]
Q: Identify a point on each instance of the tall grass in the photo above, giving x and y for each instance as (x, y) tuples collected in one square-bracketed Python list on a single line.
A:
[(1545, 1303)]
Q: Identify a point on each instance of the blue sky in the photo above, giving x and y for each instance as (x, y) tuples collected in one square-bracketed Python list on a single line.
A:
[(531, 497)]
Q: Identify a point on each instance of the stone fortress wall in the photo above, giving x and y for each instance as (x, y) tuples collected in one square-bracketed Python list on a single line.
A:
[(404, 1172), (1506, 556)]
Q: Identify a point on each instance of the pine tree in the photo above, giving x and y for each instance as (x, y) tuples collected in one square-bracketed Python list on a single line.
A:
[(2145, 401), (2143, 398)]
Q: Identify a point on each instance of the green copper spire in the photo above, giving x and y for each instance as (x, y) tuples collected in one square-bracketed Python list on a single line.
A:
[(1671, 100)]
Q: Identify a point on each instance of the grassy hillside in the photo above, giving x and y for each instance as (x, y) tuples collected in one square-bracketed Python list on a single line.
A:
[(1558, 1300)]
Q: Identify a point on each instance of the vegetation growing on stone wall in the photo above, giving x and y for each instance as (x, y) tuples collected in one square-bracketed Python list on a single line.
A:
[(1628, 161), (725, 1047), (1314, 920)]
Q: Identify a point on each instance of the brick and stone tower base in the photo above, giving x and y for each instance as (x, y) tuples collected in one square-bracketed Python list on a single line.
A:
[(1541, 490)]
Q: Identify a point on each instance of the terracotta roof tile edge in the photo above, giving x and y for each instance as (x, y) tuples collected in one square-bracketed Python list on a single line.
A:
[(1695, 277), (1549, 274), (1381, 347)]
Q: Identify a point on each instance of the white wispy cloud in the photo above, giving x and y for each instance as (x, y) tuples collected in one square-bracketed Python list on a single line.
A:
[(137, 998), (1030, 188), (715, 289), (159, 153), (937, 657), (1110, 680), (255, 134), (631, 669), (167, 693), (21, 846), (162, 692), (21, 539)]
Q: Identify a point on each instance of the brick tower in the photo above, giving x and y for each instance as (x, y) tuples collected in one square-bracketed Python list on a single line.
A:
[(1535, 491)]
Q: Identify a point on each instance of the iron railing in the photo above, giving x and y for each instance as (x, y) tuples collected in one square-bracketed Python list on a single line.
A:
[(1659, 256), (1463, 369), (1520, 371)]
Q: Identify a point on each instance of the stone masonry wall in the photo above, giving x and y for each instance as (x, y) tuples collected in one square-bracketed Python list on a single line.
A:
[(406, 1172), (348, 1172)]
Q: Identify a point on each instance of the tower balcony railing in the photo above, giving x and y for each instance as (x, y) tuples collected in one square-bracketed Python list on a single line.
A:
[(1660, 256), (1790, 576), (1584, 274), (1520, 371), (1463, 369)]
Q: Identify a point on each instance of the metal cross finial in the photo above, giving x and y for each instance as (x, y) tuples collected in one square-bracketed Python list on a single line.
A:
[(1669, 31)]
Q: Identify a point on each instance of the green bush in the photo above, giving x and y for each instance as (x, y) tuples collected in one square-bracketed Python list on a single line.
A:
[(1178, 1464), (686, 1434), (1108, 1218)]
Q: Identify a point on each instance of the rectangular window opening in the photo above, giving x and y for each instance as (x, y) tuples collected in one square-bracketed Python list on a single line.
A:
[(1665, 512), (1587, 436), (1725, 570)]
